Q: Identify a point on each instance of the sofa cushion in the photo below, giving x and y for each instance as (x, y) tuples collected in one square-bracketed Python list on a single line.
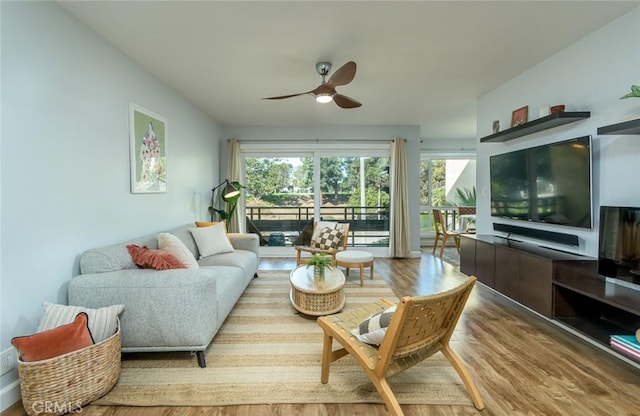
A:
[(103, 322), (172, 244), (211, 240), (243, 259), (55, 342), (154, 259)]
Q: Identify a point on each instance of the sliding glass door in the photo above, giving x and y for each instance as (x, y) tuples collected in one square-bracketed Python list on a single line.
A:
[(287, 189)]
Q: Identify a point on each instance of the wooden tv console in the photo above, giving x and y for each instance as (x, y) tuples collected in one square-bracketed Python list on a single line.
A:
[(561, 286)]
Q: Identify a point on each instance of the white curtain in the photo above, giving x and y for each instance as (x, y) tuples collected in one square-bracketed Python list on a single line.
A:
[(399, 241), (234, 173)]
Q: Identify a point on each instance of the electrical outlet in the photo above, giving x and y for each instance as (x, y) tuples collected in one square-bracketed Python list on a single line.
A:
[(8, 360)]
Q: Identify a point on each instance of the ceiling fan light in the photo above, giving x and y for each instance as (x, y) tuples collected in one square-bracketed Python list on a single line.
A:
[(324, 98)]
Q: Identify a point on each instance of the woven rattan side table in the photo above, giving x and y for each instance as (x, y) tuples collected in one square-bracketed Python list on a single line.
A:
[(317, 297)]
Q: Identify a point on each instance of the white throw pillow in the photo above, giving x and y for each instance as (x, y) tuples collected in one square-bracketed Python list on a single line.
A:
[(175, 246), (211, 240), (372, 330), (102, 321)]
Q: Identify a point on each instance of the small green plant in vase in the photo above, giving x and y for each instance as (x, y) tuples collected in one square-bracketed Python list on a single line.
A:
[(320, 262)]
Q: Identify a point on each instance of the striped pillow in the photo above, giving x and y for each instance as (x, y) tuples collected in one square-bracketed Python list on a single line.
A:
[(372, 330), (102, 321)]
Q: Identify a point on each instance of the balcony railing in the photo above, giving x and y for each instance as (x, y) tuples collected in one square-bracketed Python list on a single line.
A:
[(368, 226)]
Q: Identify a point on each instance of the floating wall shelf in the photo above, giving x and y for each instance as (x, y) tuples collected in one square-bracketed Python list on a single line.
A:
[(626, 127), (534, 126)]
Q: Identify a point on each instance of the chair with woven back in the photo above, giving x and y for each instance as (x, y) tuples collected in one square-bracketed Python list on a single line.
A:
[(443, 233), (419, 327), (323, 240)]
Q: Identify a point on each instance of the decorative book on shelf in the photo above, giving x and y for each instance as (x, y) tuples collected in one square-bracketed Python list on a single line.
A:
[(627, 345)]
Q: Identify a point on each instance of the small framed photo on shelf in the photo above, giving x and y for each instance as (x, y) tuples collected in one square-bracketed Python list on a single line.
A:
[(519, 116)]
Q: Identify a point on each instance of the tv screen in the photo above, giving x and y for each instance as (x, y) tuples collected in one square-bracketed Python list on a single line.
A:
[(619, 243), (549, 184)]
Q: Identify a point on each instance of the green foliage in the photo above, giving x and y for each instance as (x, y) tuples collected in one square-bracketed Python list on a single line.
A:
[(467, 197), (267, 175), (635, 92), (321, 261)]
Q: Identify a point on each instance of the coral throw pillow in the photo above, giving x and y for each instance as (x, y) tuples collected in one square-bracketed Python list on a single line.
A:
[(154, 259), (55, 342)]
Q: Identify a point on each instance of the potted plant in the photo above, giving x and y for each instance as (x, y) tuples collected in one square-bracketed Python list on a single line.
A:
[(320, 262)]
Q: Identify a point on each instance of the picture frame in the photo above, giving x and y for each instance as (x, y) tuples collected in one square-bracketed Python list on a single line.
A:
[(148, 151), (519, 116)]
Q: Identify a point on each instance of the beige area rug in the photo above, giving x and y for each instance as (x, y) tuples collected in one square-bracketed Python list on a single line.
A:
[(265, 353)]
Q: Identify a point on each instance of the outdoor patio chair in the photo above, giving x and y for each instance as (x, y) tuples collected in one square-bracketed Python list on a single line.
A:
[(443, 233), (419, 327)]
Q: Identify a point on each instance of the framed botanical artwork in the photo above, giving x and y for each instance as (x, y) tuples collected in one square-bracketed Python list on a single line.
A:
[(519, 116), (148, 148)]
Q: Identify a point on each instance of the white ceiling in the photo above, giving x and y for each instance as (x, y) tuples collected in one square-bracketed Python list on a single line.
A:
[(420, 63)]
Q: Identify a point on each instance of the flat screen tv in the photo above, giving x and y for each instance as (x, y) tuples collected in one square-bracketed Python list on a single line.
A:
[(547, 184), (619, 243)]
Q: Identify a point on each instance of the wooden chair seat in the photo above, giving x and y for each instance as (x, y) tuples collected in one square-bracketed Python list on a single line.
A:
[(420, 327)]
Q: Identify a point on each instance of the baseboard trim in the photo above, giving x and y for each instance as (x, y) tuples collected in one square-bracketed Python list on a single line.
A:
[(9, 395)]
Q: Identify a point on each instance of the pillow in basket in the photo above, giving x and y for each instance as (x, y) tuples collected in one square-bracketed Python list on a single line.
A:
[(55, 342), (373, 329), (103, 322), (327, 239)]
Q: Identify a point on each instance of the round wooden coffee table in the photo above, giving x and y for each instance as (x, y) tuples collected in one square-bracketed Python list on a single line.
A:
[(317, 297)]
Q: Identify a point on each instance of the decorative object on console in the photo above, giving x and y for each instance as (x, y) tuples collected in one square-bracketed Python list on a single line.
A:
[(635, 92), (496, 126), (557, 109), (148, 147), (519, 116), (230, 195)]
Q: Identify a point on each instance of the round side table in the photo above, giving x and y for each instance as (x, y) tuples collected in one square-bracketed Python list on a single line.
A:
[(317, 297)]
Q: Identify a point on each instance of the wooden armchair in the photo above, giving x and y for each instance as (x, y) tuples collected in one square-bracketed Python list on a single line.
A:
[(443, 233), (420, 327), (311, 249)]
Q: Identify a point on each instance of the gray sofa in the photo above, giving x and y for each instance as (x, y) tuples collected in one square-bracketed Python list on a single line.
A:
[(169, 310)]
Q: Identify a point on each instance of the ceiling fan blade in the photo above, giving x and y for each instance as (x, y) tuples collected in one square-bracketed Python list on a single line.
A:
[(343, 75), (346, 102), (323, 89), (280, 97)]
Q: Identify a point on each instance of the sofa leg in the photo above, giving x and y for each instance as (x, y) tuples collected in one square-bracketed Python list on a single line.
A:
[(202, 362), (255, 275)]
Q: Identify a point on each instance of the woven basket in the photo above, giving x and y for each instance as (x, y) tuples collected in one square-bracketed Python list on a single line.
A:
[(65, 383)]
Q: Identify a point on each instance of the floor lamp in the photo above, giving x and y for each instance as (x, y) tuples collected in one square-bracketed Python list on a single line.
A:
[(229, 191)]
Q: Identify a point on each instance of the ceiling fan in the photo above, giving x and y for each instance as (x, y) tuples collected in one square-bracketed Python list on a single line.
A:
[(326, 91)]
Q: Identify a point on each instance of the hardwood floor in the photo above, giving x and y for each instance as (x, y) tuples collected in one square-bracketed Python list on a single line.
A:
[(521, 363)]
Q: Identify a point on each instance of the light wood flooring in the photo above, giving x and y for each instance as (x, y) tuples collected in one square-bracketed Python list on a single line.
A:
[(522, 364)]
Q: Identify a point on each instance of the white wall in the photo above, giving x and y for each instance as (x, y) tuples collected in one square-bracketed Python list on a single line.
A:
[(341, 134), (590, 75), (65, 157)]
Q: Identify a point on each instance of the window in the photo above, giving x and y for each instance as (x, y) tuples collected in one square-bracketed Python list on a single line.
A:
[(286, 189), (445, 182)]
